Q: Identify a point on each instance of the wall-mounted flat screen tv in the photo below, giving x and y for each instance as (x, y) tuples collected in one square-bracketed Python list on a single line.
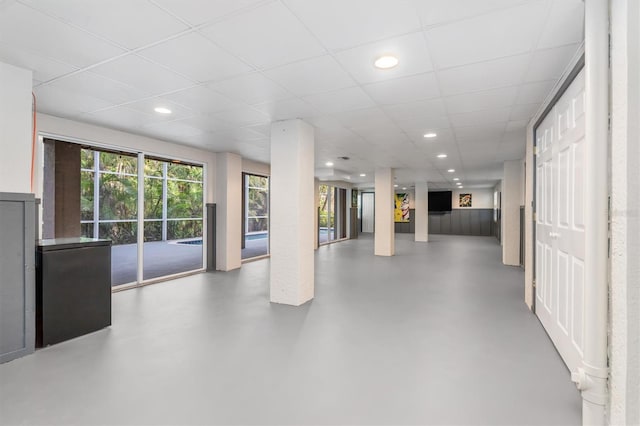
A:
[(440, 201)]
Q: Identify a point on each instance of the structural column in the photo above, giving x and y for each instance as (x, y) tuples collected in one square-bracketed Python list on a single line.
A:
[(228, 211), (512, 193), (292, 212), (421, 205), (384, 232)]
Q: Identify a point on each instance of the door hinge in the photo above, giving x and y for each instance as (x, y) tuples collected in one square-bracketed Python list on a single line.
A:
[(534, 283), (535, 216), (535, 150)]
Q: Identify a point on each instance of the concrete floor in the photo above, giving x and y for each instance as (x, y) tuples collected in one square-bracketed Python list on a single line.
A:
[(438, 334)]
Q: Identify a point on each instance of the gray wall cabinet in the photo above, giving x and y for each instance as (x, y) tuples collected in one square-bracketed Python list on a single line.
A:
[(17, 275)]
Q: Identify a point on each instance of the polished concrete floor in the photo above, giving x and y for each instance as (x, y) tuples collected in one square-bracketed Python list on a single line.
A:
[(438, 334)]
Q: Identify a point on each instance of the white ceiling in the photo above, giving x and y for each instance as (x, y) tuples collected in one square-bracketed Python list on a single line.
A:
[(474, 71)]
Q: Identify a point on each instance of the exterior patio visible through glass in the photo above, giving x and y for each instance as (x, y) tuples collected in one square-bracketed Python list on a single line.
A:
[(173, 209), (255, 241)]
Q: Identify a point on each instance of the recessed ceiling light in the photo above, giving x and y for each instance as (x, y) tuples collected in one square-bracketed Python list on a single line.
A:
[(385, 62), (328, 164), (430, 135), (362, 175), (456, 178), (395, 186), (162, 110), (458, 183), (404, 188), (461, 187), (451, 170), (442, 155)]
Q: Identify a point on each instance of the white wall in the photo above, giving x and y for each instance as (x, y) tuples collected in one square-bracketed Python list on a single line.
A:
[(15, 129), (480, 198), (624, 330), (254, 167)]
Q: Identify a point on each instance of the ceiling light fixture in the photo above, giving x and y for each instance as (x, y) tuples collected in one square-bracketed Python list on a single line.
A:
[(456, 178), (385, 62), (328, 164), (430, 135), (451, 170), (362, 175), (162, 110), (458, 183), (395, 186), (442, 155), (460, 187), (404, 188)]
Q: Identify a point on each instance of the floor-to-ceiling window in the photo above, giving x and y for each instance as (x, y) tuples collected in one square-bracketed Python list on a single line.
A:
[(172, 194), (255, 236)]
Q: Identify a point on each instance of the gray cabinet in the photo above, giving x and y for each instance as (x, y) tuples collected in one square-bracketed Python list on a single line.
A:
[(17, 275), (73, 288)]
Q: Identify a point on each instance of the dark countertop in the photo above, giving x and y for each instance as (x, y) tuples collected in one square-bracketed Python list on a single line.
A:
[(68, 243)]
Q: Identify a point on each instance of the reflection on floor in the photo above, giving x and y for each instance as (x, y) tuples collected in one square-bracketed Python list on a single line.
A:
[(437, 334), (160, 258)]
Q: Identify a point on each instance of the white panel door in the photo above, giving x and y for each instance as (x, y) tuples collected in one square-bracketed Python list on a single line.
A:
[(368, 204), (560, 233)]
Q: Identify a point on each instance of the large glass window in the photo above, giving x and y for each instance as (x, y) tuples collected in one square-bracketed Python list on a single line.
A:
[(255, 241), (172, 216)]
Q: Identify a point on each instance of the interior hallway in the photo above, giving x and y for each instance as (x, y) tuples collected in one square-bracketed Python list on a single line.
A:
[(438, 334)]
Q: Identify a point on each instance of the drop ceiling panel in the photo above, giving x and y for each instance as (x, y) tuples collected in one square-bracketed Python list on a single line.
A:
[(99, 87), (562, 27), (266, 36), (478, 118), (436, 11), (340, 100), (523, 112), (51, 38), (503, 33), (63, 103), (148, 105), (44, 68), (242, 116), (341, 24), (117, 20), (286, 109), (311, 76), (147, 76), (252, 89), (363, 117), (484, 75), (405, 89), (411, 51), (488, 99), (534, 92), (416, 110), (549, 64), (203, 100), (195, 57), (197, 12), (120, 117)]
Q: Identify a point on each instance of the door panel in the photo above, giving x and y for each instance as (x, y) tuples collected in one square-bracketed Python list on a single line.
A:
[(560, 223)]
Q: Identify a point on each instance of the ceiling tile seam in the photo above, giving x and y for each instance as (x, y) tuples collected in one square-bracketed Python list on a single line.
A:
[(216, 20), (435, 71), (481, 14)]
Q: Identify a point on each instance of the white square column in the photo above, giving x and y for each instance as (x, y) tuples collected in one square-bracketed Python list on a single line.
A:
[(384, 231), (228, 211), (293, 212), (421, 205)]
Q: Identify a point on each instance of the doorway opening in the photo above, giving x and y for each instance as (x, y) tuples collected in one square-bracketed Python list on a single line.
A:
[(255, 214)]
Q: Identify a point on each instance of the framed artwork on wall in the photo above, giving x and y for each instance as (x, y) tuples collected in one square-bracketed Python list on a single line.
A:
[(465, 200)]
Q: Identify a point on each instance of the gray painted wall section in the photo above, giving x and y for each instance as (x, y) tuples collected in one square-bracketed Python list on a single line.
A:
[(456, 222), (17, 277)]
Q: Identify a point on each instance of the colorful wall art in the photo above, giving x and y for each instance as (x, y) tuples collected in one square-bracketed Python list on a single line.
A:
[(401, 211), (465, 200)]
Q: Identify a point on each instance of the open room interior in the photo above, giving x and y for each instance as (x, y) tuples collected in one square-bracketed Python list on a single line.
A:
[(319, 212)]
